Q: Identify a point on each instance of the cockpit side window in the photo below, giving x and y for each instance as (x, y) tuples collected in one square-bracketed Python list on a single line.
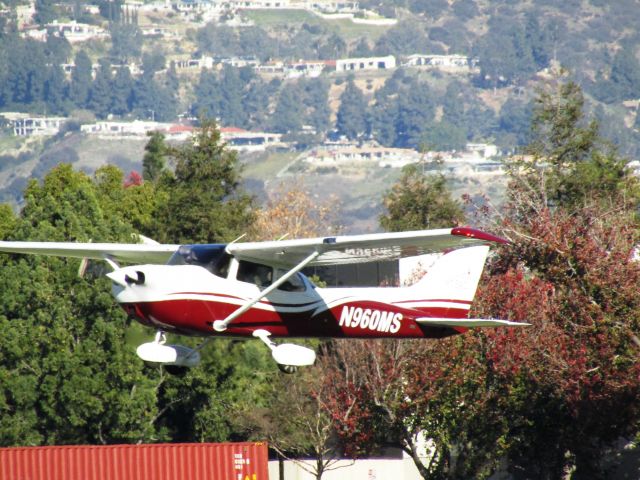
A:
[(294, 283), (256, 273), (221, 268), (212, 257)]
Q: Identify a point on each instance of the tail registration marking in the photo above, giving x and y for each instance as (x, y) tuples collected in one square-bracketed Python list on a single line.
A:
[(367, 318)]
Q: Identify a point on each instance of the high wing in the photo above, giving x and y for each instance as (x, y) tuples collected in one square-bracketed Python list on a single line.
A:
[(360, 248), (285, 253), (118, 252)]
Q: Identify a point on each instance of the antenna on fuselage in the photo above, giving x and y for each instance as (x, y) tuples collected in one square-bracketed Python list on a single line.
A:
[(237, 239)]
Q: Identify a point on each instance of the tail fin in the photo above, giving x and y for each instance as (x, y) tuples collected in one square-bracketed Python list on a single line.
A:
[(454, 276)]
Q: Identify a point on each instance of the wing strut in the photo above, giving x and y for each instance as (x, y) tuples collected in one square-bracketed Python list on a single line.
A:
[(221, 325)]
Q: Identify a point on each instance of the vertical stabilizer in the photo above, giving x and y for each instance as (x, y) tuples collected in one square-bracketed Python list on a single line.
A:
[(454, 276)]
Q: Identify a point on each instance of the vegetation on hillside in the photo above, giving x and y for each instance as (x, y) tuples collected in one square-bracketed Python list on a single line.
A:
[(553, 398)]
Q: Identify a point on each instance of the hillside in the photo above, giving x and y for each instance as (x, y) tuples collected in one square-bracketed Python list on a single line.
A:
[(443, 74)]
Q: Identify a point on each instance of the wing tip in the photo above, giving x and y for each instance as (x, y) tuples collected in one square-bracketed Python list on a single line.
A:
[(469, 232)]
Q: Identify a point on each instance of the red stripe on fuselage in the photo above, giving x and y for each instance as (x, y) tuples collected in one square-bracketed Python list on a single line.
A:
[(357, 319)]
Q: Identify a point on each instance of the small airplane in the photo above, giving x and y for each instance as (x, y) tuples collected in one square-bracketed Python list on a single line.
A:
[(256, 289)]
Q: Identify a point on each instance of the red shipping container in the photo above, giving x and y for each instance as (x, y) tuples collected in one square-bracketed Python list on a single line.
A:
[(164, 461)]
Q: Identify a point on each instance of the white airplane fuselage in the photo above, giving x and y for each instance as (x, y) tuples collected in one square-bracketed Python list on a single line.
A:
[(187, 299)]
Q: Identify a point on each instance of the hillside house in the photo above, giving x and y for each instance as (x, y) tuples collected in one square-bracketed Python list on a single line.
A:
[(137, 128), (333, 6), (312, 69), (25, 125), (305, 69), (368, 63), (75, 32), (265, 4), (194, 63), (244, 140), (380, 156), (134, 69), (459, 63)]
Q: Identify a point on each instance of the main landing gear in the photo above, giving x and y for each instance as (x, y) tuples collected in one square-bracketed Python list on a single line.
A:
[(176, 359), (288, 356)]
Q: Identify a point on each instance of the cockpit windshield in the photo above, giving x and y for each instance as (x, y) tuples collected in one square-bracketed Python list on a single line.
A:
[(213, 257)]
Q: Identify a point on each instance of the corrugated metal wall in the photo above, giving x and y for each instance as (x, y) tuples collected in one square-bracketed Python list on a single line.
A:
[(181, 461)]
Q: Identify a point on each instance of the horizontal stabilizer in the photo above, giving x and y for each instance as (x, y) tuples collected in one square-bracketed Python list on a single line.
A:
[(469, 322)]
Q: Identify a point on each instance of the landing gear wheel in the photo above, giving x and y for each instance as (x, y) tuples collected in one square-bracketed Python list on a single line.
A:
[(176, 370), (288, 369)]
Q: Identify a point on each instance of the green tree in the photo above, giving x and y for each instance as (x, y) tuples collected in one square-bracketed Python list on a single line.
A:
[(99, 100), (453, 104), (55, 93), (361, 49), (45, 12), (515, 121), (67, 375), (444, 136), (405, 38), (205, 405), (8, 220), (419, 201), (316, 99), (80, 80), (150, 99), (624, 81), (126, 42), (155, 153), (208, 96), (152, 63), (122, 92), (415, 113), (231, 109), (385, 111), (332, 48), (351, 118), (287, 117), (569, 157), (204, 200)]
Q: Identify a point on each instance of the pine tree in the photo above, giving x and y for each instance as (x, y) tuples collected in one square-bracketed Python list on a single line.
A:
[(574, 162), (420, 201), (101, 93), (80, 80), (122, 93), (56, 91), (352, 114), (154, 160), (204, 202), (287, 117)]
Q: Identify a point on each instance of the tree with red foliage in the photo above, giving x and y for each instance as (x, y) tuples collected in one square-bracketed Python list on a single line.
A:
[(574, 378), (572, 381), (549, 399), (133, 179), (296, 422), (372, 396)]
